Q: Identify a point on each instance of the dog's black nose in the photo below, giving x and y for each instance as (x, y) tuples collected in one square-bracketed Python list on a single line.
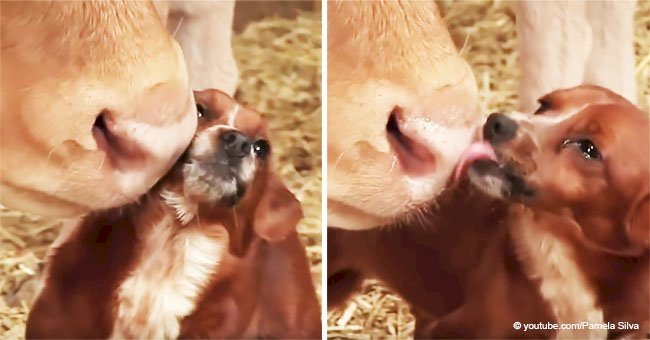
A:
[(235, 144), (499, 128)]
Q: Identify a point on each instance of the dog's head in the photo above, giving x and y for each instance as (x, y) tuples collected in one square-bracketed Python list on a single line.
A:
[(226, 175), (583, 154)]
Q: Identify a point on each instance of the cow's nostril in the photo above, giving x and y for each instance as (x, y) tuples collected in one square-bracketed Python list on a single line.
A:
[(413, 155), (100, 122), (391, 126), (102, 133), (116, 141)]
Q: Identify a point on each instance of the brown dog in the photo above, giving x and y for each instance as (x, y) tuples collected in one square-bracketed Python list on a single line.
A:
[(211, 251), (581, 170), (487, 265)]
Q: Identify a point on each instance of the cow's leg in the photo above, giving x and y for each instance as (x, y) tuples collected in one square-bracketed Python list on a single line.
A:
[(204, 31), (554, 41), (611, 61)]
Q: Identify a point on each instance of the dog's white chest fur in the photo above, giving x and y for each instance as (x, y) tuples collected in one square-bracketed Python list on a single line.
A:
[(164, 286), (562, 283)]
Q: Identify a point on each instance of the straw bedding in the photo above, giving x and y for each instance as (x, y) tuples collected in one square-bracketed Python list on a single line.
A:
[(279, 61), (487, 31)]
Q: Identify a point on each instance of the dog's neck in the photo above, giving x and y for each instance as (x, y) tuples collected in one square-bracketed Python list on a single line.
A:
[(576, 278), (175, 263), (551, 261), (186, 212)]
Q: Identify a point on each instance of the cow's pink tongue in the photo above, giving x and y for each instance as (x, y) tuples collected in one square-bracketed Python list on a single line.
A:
[(477, 150)]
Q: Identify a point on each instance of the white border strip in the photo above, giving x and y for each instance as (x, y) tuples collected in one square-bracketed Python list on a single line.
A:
[(324, 168)]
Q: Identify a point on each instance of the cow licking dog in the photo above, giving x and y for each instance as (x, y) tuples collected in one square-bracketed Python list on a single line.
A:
[(558, 230), (211, 251), (394, 66)]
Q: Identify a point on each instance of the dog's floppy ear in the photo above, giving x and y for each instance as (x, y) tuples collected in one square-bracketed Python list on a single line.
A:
[(638, 221), (278, 211)]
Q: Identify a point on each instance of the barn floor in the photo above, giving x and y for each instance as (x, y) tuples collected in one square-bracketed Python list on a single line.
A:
[(487, 29), (280, 65)]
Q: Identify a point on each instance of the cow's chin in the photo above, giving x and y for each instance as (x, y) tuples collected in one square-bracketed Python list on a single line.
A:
[(88, 186), (386, 198)]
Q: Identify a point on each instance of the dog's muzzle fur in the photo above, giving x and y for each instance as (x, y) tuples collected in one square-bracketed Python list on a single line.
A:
[(220, 165)]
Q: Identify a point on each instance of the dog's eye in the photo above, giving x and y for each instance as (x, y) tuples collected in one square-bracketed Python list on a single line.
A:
[(200, 109), (544, 105), (586, 147), (261, 148)]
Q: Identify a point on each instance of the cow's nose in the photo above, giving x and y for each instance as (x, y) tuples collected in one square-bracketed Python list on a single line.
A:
[(235, 144), (499, 128)]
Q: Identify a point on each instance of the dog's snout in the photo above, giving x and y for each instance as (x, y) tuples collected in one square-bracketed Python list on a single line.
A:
[(499, 128), (235, 144)]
